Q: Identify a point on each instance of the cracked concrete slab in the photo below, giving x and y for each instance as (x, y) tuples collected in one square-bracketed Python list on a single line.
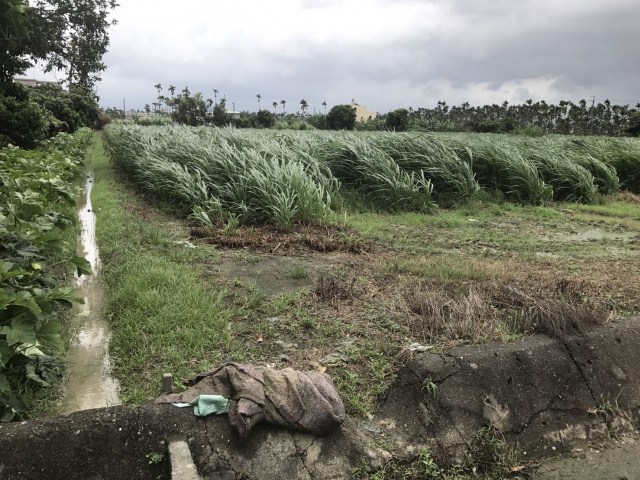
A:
[(608, 359)]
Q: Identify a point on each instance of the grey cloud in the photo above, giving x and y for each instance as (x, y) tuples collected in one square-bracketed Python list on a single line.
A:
[(493, 42)]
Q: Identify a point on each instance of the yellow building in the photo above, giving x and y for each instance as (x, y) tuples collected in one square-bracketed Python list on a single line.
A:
[(362, 115)]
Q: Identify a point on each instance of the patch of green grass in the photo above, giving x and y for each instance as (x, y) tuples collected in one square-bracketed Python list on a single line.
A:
[(350, 388), (298, 272), (164, 318), (443, 269), (616, 209)]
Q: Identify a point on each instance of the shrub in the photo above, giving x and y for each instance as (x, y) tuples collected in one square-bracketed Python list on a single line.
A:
[(24, 123), (633, 128), (265, 118), (341, 117), (398, 120)]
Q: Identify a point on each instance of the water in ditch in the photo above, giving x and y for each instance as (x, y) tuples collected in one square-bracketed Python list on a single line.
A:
[(90, 384)]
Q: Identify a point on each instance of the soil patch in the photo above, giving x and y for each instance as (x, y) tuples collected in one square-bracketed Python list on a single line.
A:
[(269, 239)]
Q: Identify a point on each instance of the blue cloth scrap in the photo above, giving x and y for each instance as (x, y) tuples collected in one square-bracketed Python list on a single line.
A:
[(207, 404)]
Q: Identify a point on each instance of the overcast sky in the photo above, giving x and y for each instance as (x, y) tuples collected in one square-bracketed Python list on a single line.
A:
[(384, 53)]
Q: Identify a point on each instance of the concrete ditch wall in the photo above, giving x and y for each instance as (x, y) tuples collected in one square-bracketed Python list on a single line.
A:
[(543, 394)]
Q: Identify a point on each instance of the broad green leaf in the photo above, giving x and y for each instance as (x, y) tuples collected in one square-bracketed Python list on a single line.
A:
[(52, 239), (5, 300), (83, 266), (62, 293), (33, 375), (13, 274), (50, 333), (32, 350), (4, 385), (6, 413), (6, 352), (22, 330), (24, 299), (48, 281)]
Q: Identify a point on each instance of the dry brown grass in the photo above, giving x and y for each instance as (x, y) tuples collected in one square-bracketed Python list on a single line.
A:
[(492, 310), (556, 311), (627, 197), (436, 314), (332, 287)]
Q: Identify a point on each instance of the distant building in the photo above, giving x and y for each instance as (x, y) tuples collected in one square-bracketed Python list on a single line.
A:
[(362, 115), (233, 114), (32, 82)]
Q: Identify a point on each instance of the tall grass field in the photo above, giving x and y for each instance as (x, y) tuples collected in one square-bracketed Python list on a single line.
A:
[(301, 177)]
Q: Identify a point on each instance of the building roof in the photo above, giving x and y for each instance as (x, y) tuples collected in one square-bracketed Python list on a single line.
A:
[(32, 82)]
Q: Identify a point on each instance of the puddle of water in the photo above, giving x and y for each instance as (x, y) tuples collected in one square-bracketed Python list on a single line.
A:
[(90, 384)]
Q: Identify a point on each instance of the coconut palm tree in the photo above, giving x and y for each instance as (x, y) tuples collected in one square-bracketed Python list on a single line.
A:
[(324, 104), (284, 105), (275, 106), (303, 105), (215, 96), (259, 98)]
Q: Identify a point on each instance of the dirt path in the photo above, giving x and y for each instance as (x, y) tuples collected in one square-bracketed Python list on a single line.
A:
[(618, 460)]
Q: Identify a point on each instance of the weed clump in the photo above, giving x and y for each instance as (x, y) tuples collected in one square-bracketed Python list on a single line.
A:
[(332, 288), (499, 312), (557, 313)]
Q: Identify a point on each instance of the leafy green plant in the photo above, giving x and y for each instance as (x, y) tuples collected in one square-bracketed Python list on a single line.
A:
[(155, 458), (430, 387), (428, 467), (36, 204)]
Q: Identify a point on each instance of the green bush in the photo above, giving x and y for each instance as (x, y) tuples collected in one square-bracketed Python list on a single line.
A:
[(398, 120), (370, 125), (633, 128), (341, 117), (57, 102), (265, 119), (24, 123), (220, 116)]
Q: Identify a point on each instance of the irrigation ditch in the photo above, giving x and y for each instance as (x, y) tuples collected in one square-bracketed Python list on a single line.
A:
[(90, 383)]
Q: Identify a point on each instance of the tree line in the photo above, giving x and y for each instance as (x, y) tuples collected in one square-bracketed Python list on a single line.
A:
[(533, 118)]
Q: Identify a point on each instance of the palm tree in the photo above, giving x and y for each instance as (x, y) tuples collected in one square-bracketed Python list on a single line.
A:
[(275, 106), (158, 87), (324, 104), (161, 98), (215, 96), (172, 89), (284, 104), (303, 105), (259, 98)]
